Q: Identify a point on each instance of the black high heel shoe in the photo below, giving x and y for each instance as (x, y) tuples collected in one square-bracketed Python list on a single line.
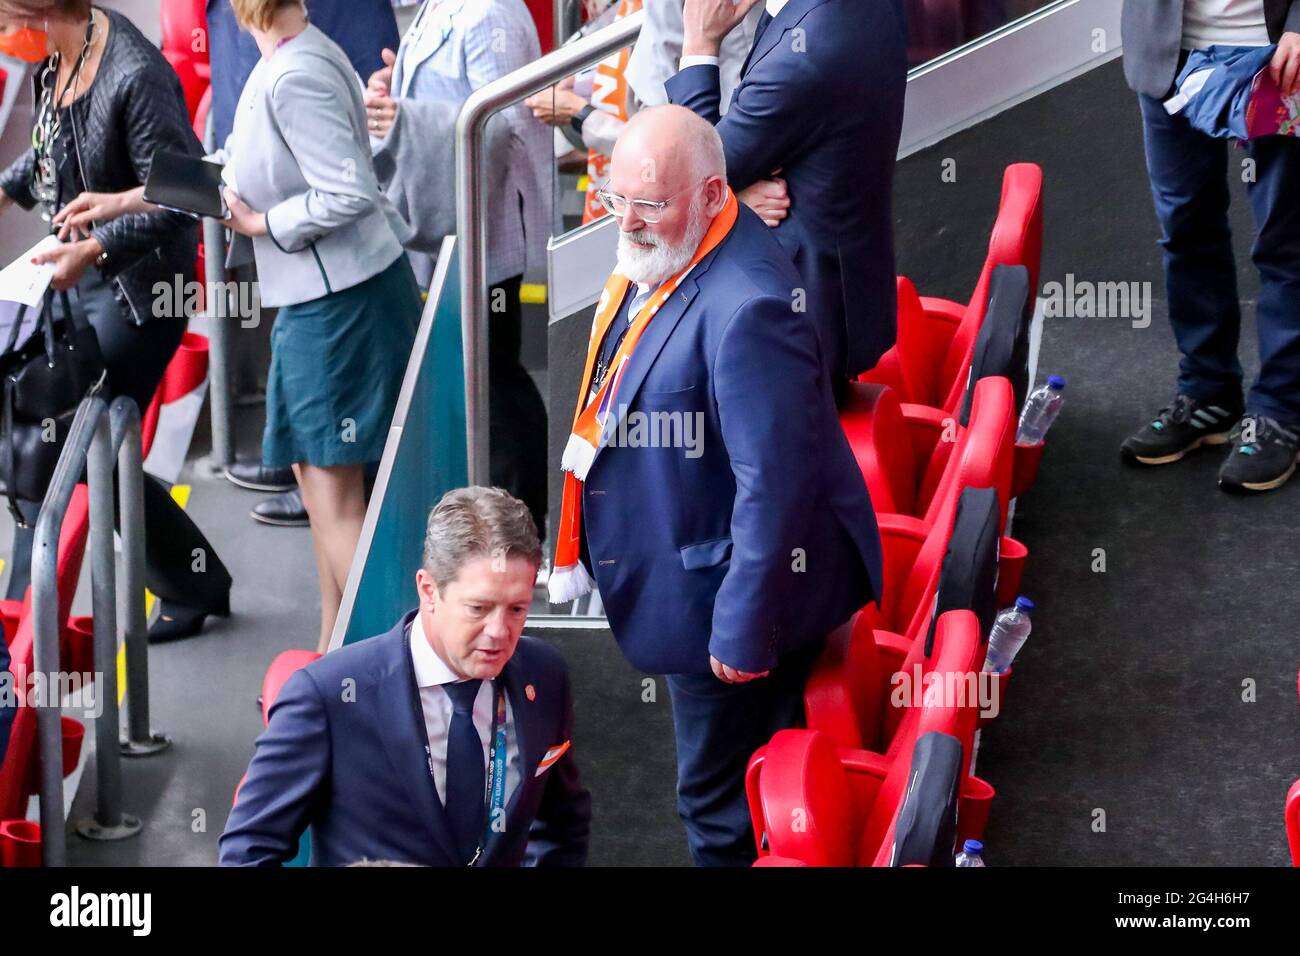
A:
[(178, 621)]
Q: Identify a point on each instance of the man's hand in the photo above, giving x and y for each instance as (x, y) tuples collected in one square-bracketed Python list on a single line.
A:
[(729, 675), (556, 106), (1285, 66), (769, 198), (70, 260), (77, 217), (382, 79), (244, 219), (706, 22)]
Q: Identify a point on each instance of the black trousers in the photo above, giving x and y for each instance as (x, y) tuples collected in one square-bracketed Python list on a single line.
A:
[(181, 567), (718, 727), (517, 414)]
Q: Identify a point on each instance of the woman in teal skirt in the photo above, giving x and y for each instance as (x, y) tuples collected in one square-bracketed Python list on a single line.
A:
[(328, 247)]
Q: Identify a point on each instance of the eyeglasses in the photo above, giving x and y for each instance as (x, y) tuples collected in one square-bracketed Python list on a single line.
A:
[(645, 209)]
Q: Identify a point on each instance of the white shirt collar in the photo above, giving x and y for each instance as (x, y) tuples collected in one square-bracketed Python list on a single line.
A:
[(774, 6), (430, 669)]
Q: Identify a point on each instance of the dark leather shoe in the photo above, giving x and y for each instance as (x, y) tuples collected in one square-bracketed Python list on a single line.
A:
[(255, 476), (284, 511)]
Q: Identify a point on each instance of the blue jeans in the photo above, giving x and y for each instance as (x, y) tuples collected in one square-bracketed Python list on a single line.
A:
[(1189, 181)]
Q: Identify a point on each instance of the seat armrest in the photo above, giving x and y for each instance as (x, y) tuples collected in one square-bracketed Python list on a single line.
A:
[(925, 331), (927, 427), (891, 650), (901, 540), (881, 442), (943, 311), (866, 762), (842, 695)]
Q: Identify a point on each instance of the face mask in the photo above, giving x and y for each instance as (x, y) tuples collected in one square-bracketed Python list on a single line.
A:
[(26, 44)]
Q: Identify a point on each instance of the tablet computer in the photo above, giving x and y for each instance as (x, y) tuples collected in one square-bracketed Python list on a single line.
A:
[(186, 184)]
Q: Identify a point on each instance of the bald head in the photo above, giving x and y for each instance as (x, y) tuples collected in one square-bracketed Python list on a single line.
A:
[(670, 146), (667, 182)]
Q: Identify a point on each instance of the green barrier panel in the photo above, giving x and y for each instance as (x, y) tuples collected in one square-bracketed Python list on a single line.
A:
[(424, 458)]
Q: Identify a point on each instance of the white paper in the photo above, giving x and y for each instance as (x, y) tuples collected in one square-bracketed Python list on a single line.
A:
[(228, 177), (20, 281)]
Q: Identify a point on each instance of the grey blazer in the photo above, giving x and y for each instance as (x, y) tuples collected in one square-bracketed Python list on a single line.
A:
[(451, 49), (299, 152), (1153, 34)]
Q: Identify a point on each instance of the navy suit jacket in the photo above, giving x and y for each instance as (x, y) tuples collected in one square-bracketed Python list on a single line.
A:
[(353, 767), (361, 27), (759, 535), (821, 98)]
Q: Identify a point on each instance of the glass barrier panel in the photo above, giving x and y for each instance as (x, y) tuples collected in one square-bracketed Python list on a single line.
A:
[(424, 458)]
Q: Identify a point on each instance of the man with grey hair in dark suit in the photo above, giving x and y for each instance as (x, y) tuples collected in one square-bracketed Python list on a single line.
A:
[(1189, 180), (444, 742)]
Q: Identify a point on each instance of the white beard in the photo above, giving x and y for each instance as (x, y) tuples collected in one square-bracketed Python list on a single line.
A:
[(651, 264)]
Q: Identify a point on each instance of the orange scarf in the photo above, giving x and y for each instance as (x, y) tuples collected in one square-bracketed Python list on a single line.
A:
[(569, 579)]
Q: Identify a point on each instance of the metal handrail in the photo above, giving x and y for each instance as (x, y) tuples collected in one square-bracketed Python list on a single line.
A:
[(214, 272), (128, 438), (96, 434), (471, 207)]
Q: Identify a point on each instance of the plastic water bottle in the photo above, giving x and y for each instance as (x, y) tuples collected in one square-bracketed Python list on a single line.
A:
[(1041, 409), (1010, 631), (972, 854)]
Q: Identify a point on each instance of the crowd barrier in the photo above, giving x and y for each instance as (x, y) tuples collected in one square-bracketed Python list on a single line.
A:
[(44, 640)]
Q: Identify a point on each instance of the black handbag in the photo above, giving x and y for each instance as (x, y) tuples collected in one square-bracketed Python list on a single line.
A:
[(45, 379)]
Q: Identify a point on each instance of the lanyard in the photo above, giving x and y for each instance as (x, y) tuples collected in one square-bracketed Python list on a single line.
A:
[(495, 791), (602, 363)]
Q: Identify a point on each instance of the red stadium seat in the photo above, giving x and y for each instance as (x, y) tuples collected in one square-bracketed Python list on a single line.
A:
[(185, 46), (281, 669), (185, 29), (20, 840), (1293, 822), (200, 123), (912, 456), (849, 692), (861, 691), (192, 85), (821, 805), (936, 337), (185, 372)]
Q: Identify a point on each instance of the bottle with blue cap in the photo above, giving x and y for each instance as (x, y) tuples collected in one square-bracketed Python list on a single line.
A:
[(1041, 409), (972, 854), (1009, 633)]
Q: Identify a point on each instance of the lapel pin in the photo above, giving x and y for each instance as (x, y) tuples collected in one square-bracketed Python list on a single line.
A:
[(530, 692)]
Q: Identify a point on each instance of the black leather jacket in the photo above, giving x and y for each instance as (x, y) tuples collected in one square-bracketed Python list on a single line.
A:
[(133, 107)]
